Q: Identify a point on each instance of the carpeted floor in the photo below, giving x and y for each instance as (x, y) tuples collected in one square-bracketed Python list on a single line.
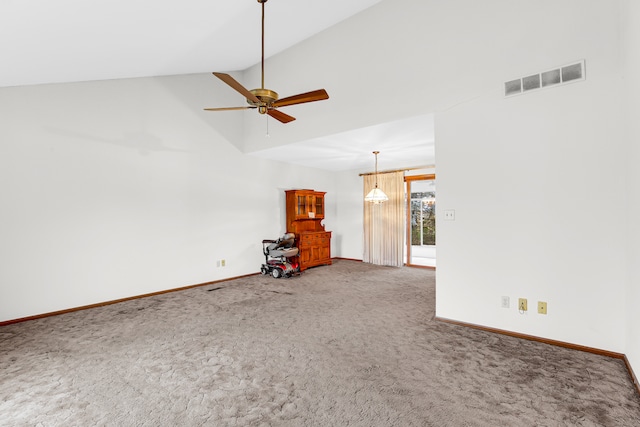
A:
[(343, 345)]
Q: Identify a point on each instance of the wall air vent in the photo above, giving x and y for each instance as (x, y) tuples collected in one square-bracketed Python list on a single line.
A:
[(566, 74)]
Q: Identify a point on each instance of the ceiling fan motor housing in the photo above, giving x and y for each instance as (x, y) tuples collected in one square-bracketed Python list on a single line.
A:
[(266, 97)]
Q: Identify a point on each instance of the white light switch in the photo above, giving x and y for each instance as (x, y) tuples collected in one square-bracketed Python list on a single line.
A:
[(449, 215)]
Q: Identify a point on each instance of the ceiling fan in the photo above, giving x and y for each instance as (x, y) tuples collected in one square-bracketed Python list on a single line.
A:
[(266, 100)]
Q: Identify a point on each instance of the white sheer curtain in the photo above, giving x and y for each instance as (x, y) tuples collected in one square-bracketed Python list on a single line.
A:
[(384, 222)]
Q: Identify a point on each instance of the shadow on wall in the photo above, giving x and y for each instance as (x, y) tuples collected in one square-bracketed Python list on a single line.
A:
[(144, 142)]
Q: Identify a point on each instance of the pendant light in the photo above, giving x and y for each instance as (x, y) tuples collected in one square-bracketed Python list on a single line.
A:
[(376, 195)]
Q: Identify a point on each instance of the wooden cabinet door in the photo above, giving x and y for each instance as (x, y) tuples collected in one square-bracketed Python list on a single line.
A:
[(318, 206), (305, 256), (302, 207), (324, 252)]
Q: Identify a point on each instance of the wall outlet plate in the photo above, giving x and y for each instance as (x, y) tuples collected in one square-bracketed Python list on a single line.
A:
[(542, 307), (522, 304), (505, 302)]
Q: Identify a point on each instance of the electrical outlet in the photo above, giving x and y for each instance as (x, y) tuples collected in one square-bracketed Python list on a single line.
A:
[(522, 304), (542, 307), (223, 263), (450, 215), (505, 302), (218, 263)]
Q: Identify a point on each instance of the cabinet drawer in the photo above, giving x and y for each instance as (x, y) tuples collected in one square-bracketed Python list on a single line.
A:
[(306, 238)]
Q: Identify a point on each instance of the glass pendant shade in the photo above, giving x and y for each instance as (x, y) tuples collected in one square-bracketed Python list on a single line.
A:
[(376, 195)]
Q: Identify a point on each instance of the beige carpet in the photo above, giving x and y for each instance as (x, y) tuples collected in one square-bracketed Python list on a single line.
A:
[(343, 345)]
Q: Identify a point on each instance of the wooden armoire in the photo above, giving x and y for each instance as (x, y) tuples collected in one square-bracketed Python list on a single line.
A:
[(305, 213)]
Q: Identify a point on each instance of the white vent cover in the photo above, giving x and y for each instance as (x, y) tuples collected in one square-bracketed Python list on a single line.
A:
[(566, 74)]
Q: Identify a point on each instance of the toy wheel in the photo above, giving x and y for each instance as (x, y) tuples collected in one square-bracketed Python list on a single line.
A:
[(276, 273)]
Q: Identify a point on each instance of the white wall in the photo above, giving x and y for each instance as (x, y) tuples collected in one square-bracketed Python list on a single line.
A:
[(538, 184), (347, 237), (118, 188), (631, 54)]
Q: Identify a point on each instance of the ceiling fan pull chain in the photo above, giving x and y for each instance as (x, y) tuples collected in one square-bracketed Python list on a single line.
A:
[(267, 135)]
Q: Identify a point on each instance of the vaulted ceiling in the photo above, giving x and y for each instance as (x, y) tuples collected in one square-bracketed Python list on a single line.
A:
[(44, 41), (77, 40)]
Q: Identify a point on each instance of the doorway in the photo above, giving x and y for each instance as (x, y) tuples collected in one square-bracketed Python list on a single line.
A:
[(420, 249)]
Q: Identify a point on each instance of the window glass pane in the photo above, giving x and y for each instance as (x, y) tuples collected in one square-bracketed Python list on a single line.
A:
[(423, 222)]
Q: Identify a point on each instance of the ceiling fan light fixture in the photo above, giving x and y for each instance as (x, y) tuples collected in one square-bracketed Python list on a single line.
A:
[(376, 195)]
